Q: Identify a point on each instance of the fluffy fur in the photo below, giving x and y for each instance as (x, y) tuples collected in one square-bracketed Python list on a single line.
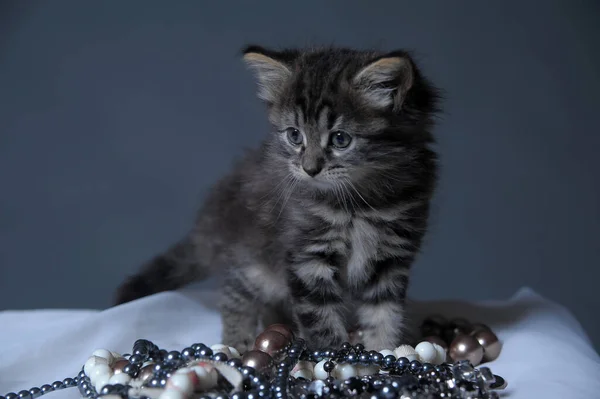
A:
[(320, 225)]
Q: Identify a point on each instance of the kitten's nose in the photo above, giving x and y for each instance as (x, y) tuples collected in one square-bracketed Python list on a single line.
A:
[(312, 170)]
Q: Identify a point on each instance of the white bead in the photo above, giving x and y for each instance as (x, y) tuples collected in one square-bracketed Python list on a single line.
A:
[(406, 351), (100, 371), (441, 354), (206, 378), (106, 354), (120, 378), (172, 394), (426, 352), (91, 362), (366, 370), (319, 371), (344, 371), (303, 373), (181, 382), (101, 380), (221, 348), (234, 353), (386, 352)]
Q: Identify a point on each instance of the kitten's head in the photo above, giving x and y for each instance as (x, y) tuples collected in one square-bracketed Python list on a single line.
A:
[(344, 117)]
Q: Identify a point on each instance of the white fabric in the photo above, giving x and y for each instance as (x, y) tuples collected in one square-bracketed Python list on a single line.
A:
[(546, 354)]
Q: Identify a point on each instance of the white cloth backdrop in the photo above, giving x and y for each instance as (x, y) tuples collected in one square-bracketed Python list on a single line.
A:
[(546, 353)]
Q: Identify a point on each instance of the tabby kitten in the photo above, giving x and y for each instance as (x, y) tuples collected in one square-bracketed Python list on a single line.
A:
[(320, 225)]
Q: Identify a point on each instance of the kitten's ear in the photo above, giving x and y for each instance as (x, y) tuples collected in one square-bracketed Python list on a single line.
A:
[(385, 81), (270, 70)]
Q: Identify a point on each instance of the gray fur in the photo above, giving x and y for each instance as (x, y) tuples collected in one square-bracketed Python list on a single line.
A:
[(329, 252)]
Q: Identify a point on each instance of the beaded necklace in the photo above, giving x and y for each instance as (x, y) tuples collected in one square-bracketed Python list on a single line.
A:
[(281, 367)]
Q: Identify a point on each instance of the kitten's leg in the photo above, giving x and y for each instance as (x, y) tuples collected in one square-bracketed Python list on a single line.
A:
[(240, 312), (317, 295), (382, 305)]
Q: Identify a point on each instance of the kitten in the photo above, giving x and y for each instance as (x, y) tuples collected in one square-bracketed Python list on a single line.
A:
[(322, 223)]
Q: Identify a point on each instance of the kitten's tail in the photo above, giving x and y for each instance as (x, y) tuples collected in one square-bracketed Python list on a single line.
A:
[(177, 267)]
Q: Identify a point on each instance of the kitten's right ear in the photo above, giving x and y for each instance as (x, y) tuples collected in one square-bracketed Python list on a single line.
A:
[(269, 69)]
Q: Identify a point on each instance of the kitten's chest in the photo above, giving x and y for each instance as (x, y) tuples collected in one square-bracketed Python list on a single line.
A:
[(363, 241)]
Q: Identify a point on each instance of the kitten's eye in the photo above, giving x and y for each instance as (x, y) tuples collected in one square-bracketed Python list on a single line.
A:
[(340, 140), (294, 136)]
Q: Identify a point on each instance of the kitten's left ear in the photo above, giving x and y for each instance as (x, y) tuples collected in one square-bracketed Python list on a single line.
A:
[(270, 70), (385, 81)]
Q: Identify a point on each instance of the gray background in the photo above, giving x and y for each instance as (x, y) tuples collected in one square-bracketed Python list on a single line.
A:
[(116, 117)]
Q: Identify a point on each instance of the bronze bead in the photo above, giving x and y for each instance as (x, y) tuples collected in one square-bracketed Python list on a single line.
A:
[(271, 342), (146, 372), (282, 329), (118, 365), (478, 327), (490, 343), (466, 347), (259, 360)]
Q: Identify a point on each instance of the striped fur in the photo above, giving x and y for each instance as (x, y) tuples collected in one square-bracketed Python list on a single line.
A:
[(331, 249)]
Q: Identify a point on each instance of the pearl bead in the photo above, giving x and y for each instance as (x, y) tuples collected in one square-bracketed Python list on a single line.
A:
[(120, 378), (100, 370), (101, 380), (366, 370), (344, 371), (258, 360), (221, 348), (106, 354), (172, 394), (466, 347), (234, 353), (426, 352), (271, 342), (182, 382), (441, 354), (319, 370), (91, 362), (386, 352), (207, 377), (490, 343), (307, 374), (406, 351), (282, 329)]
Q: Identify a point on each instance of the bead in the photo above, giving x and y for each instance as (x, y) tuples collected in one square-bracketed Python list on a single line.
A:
[(145, 372), (466, 347), (345, 371), (181, 382), (271, 342), (389, 362), (359, 347), (406, 351), (283, 330), (426, 352), (366, 370), (106, 354), (207, 377), (415, 366), (235, 362), (386, 352), (46, 389), (307, 374), (440, 354), (98, 370), (172, 394), (204, 352), (319, 370), (328, 366), (91, 362), (118, 365), (101, 380), (35, 392), (221, 348), (120, 378), (258, 360), (346, 345), (135, 359), (24, 395), (490, 343), (376, 358), (234, 353), (219, 357), (11, 395)]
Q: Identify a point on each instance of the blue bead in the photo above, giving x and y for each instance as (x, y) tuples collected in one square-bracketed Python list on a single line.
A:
[(12, 395), (57, 385), (24, 395), (35, 392)]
